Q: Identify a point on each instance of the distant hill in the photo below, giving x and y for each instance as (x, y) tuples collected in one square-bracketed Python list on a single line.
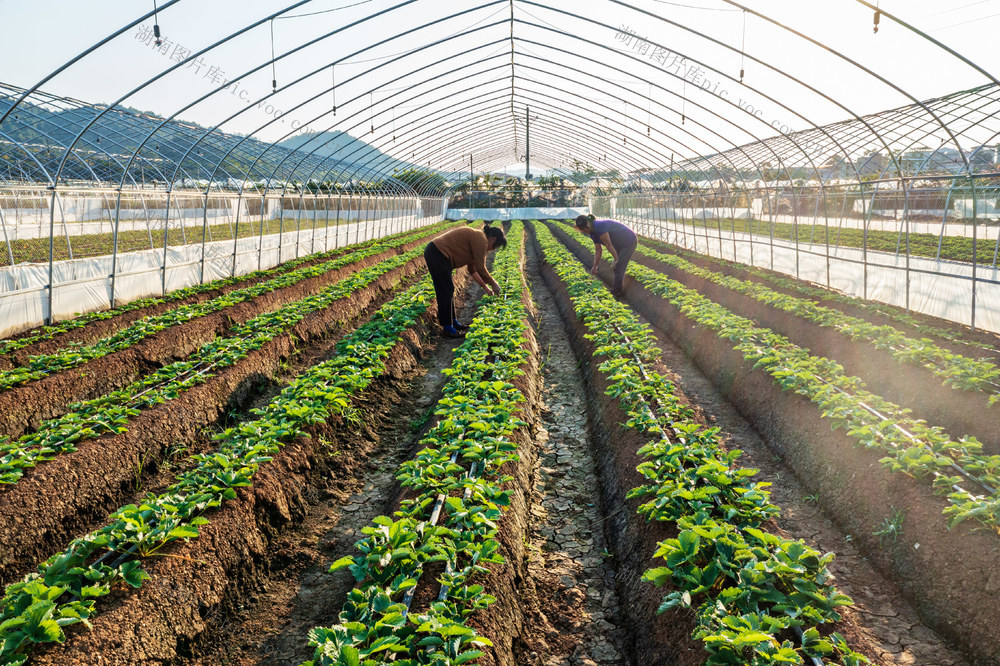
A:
[(176, 150), (341, 145)]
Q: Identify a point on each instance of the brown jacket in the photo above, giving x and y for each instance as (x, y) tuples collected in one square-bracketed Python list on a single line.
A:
[(465, 246)]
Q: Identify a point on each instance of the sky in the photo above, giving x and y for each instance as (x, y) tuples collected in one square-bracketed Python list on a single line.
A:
[(603, 90)]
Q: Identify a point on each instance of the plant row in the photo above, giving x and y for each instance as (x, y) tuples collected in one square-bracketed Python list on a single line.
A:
[(956, 370), (476, 417), (66, 587), (912, 446), (828, 295), (749, 587), (112, 412), (70, 357)]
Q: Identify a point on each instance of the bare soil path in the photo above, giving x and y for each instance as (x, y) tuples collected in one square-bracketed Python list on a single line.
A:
[(571, 593)]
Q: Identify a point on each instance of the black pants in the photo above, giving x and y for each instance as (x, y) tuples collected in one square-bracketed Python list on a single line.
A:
[(624, 255), (439, 266)]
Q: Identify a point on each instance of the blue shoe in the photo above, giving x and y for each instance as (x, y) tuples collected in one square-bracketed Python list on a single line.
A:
[(459, 327), (452, 332)]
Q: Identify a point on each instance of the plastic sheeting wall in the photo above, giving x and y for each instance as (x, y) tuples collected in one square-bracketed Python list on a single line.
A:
[(934, 287), (152, 220), (514, 213), (84, 285)]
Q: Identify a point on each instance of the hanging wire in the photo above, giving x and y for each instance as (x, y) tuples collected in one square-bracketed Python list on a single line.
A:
[(394, 124), (156, 26), (625, 127), (649, 110), (274, 76), (743, 46), (371, 117), (684, 94), (878, 15), (333, 89), (604, 140)]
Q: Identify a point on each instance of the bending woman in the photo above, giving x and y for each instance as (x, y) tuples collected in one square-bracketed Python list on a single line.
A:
[(618, 238), (465, 246)]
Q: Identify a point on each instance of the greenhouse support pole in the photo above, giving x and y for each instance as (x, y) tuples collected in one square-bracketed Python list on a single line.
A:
[(906, 231), (770, 214), (236, 232), (6, 239), (718, 221), (52, 226), (312, 244), (357, 227), (975, 214), (166, 229), (865, 218), (298, 225), (260, 239), (114, 245), (795, 226), (204, 236), (281, 226), (369, 234), (826, 234), (336, 237), (527, 134), (326, 227), (733, 219)]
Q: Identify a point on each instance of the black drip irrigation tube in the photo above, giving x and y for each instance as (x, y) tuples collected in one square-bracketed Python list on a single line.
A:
[(472, 474), (913, 438)]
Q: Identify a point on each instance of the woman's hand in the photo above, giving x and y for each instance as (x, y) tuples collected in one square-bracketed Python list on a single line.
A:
[(593, 271)]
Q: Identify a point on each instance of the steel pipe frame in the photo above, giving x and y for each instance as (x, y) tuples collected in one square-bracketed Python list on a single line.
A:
[(735, 3)]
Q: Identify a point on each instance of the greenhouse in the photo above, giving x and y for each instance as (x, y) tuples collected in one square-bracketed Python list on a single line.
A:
[(720, 389)]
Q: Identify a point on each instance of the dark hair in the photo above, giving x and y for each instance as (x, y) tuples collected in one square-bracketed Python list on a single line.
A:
[(585, 222), (499, 239)]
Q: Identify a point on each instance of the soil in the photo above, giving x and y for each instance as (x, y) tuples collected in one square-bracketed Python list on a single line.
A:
[(271, 622), (569, 595)]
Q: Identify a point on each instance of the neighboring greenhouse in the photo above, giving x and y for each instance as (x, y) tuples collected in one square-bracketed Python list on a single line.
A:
[(240, 424)]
